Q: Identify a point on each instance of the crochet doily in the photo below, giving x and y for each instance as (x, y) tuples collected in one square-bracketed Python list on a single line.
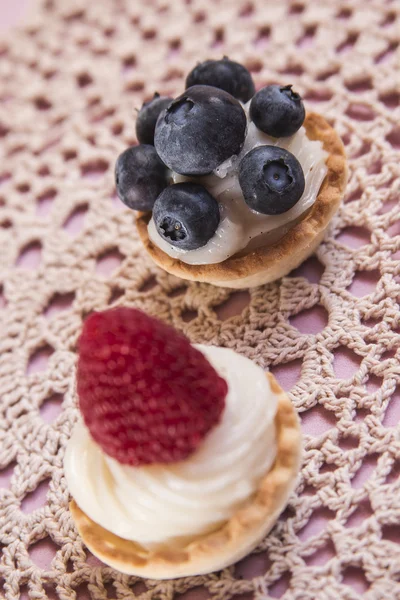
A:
[(70, 82)]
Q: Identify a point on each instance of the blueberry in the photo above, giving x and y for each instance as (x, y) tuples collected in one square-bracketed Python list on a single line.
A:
[(277, 110), (147, 118), (271, 179), (224, 74), (200, 130), (140, 177), (186, 215)]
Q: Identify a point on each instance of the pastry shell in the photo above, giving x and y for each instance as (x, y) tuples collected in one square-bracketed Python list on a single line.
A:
[(229, 543), (268, 263)]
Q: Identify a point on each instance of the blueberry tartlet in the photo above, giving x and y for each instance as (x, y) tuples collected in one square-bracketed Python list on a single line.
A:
[(184, 456), (233, 187)]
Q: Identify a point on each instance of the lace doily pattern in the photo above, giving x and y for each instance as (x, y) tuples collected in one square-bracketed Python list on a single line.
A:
[(70, 82)]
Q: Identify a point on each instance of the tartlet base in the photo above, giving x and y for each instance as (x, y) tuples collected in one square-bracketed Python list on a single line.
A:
[(228, 544), (268, 263)]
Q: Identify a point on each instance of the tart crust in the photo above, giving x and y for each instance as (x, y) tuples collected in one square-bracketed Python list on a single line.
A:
[(269, 263), (228, 544)]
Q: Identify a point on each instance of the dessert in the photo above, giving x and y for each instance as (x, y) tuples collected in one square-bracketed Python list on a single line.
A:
[(185, 456), (276, 174)]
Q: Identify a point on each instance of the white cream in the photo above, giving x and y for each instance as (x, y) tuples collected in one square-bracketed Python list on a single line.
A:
[(239, 226), (170, 504)]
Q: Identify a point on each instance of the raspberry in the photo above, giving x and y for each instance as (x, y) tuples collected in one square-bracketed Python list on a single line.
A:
[(145, 393)]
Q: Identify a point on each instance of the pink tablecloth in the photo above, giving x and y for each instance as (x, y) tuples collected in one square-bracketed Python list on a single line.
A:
[(314, 422)]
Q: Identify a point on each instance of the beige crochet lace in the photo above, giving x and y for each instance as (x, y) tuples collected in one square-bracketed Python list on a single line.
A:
[(70, 82)]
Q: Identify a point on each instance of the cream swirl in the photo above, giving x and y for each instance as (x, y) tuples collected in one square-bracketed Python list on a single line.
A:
[(170, 504)]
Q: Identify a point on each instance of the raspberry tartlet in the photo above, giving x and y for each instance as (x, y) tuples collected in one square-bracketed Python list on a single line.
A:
[(231, 187), (184, 456)]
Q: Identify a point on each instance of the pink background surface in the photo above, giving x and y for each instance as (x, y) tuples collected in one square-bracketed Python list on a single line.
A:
[(314, 422)]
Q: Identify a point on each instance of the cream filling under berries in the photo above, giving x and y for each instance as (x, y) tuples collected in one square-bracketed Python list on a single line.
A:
[(240, 228), (160, 505)]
